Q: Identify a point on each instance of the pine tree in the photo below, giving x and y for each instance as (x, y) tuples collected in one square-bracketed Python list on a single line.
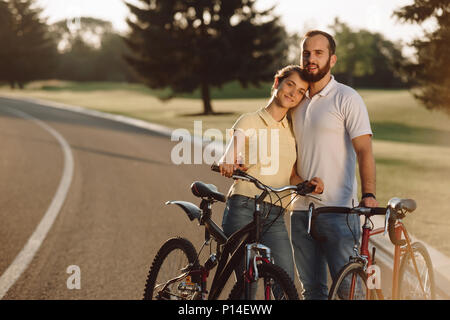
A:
[(431, 73), (190, 44), (28, 50)]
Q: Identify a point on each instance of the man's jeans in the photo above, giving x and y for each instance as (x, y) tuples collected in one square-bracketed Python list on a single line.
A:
[(239, 212), (312, 256)]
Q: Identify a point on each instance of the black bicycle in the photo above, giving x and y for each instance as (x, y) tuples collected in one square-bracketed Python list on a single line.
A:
[(176, 273)]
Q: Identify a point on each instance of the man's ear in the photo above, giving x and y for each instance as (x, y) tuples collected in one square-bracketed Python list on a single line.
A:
[(333, 60)]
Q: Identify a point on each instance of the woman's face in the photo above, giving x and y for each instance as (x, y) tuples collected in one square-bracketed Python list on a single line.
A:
[(290, 91)]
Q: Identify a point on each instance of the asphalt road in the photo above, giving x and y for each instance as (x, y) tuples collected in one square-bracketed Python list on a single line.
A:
[(113, 219)]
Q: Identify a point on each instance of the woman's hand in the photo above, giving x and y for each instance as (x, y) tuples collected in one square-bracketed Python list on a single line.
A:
[(318, 183), (227, 169)]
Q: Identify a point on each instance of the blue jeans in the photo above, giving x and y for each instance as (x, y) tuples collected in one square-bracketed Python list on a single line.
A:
[(239, 212), (312, 256)]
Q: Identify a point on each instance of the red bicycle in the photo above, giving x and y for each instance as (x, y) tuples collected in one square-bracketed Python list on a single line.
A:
[(413, 276)]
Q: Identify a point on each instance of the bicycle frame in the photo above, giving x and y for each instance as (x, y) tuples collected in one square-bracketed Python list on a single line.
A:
[(399, 251), (227, 265)]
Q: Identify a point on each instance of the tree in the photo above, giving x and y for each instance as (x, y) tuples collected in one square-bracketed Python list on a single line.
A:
[(90, 50), (5, 38), (366, 58), (431, 72), (28, 50), (190, 44), (86, 29)]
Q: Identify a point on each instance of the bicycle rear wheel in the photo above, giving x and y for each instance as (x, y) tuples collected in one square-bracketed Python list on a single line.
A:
[(351, 284), (416, 284), (273, 284), (172, 257)]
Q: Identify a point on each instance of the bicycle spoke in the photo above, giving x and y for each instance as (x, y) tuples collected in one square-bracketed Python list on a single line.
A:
[(350, 284), (166, 279), (273, 284), (416, 282)]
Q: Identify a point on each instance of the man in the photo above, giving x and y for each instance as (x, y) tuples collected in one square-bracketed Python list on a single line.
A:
[(332, 131)]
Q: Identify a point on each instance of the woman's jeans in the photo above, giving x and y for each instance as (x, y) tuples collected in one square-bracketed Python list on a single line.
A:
[(312, 256), (239, 212)]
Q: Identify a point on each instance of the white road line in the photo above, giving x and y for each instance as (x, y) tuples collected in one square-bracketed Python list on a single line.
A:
[(25, 256)]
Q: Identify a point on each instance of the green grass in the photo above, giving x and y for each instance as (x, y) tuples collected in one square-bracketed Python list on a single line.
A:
[(411, 146), (232, 90)]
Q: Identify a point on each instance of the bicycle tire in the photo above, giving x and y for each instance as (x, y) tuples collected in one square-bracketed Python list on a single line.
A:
[(270, 274), (407, 268), (173, 248), (338, 286)]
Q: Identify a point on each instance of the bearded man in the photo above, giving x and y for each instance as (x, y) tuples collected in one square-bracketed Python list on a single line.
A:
[(332, 131)]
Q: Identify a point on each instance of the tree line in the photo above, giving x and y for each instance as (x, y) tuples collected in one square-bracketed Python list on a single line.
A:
[(186, 45), (85, 49)]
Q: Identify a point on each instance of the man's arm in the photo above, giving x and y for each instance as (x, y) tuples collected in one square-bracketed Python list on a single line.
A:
[(366, 162)]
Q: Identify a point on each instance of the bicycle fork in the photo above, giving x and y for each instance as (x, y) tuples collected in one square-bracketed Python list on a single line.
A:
[(254, 253)]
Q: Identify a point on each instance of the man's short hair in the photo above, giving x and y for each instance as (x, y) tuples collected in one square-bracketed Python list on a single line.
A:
[(331, 42)]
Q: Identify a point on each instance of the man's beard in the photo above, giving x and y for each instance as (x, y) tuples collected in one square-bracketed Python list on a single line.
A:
[(320, 74)]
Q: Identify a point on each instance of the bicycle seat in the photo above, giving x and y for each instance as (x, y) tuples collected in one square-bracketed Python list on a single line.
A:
[(402, 204), (203, 190)]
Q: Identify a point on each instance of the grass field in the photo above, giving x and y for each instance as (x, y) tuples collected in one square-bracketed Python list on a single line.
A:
[(411, 146)]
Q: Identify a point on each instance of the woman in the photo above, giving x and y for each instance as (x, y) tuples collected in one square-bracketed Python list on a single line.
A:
[(248, 134)]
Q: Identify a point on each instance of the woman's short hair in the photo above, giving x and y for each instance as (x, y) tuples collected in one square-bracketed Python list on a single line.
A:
[(286, 72)]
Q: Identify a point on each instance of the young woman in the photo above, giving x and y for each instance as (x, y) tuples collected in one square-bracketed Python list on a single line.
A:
[(263, 145)]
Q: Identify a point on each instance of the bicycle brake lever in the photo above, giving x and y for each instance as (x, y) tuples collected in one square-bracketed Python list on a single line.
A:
[(386, 220), (310, 213), (314, 197)]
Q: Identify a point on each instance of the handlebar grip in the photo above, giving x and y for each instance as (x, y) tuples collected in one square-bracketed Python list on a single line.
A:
[(392, 235), (378, 211), (237, 172), (305, 187)]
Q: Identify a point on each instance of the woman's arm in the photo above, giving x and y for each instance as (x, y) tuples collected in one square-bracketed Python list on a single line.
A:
[(233, 158)]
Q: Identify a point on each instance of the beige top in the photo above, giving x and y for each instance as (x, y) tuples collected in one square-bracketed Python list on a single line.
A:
[(270, 154)]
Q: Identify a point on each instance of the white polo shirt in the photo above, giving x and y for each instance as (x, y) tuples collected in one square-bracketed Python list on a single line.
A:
[(324, 127)]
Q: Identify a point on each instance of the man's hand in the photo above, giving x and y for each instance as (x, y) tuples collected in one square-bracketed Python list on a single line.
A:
[(368, 202)]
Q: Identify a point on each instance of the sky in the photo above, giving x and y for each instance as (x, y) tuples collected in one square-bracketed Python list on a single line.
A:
[(297, 15)]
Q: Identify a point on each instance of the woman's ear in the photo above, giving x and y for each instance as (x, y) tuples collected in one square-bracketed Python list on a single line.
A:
[(276, 83)]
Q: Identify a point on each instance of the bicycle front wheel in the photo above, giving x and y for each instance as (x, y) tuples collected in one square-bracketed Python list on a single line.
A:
[(172, 257), (416, 280), (351, 284), (273, 284)]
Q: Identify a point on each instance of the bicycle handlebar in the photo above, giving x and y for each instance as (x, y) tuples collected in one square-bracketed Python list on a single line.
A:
[(390, 212), (356, 210), (302, 188)]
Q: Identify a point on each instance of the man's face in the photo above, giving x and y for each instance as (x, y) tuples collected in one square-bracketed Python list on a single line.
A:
[(316, 59)]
